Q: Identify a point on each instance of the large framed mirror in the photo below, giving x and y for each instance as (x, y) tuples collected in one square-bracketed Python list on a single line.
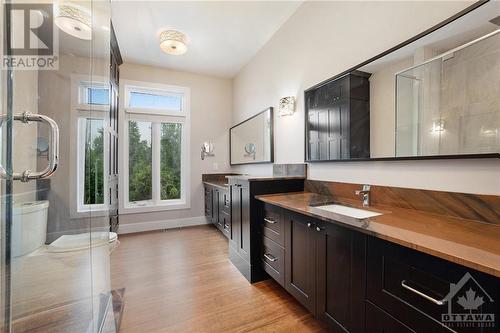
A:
[(436, 95), (251, 141)]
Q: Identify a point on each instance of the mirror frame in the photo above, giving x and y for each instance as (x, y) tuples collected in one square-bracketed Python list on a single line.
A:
[(271, 160), (392, 49)]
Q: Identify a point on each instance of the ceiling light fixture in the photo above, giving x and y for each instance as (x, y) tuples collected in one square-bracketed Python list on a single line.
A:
[(173, 42), (74, 21)]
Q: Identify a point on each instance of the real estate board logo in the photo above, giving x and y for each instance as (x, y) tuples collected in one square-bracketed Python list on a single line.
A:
[(32, 41), (469, 305)]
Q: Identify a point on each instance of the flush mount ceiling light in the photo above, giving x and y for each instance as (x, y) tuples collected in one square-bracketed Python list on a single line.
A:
[(74, 21), (173, 42), (287, 106)]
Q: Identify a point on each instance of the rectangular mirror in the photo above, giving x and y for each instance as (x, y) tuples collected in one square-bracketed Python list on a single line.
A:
[(436, 95), (251, 141)]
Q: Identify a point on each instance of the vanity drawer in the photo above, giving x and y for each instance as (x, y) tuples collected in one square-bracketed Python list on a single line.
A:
[(415, 287), (272, 224), (273, 260)]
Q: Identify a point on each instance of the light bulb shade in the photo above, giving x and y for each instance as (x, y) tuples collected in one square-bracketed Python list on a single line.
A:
[(173, 42), (74, 21)]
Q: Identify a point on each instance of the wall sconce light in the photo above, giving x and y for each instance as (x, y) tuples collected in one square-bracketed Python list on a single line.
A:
[(207, 149), (287, 106), (438, 126)]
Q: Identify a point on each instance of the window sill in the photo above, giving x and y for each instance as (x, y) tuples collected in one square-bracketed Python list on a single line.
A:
[(101, 211), (151, 207)]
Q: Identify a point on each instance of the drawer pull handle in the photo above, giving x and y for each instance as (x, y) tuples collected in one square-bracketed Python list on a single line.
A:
[(270, 257), (269, 220), (421, 294)]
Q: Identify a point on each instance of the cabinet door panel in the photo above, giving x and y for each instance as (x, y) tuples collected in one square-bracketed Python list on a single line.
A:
[(341, 276), (235, 216), (334, 132), (378, 321), (300, 261), (313, 135), (244, 232), (323, 134)]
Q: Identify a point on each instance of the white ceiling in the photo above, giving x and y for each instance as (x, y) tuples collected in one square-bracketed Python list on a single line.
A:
[(222, 36)]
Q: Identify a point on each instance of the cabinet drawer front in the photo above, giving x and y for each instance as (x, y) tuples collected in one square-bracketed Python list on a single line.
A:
[(272, 224), (416, 288), (378, 321), (272, 256)]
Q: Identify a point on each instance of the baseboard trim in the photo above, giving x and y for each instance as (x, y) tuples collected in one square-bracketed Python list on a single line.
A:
[(160, 225)]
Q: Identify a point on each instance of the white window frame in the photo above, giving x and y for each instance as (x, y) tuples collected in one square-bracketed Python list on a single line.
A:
[(156, 116), (81, 110), (83, 96)]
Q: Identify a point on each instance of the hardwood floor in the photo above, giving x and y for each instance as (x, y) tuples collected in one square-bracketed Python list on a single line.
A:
[(181, 280)]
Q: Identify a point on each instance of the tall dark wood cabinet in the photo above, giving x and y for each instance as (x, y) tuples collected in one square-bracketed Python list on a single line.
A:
[(245, 242), (338, 119), (114, 79)]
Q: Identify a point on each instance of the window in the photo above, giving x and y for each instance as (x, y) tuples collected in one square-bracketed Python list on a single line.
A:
[(156, 149), (167, 101), (91, 147), (140, 171), (152, 101), (93, 94), (98, 96), (90, 116)]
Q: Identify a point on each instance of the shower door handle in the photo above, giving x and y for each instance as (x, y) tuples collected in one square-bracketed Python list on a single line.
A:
[(27, 175)]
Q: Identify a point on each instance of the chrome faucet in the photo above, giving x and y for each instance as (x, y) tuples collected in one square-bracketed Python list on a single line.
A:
[(366, 195)]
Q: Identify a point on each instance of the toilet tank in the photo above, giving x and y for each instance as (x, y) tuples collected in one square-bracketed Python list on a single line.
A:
[(29, 226)]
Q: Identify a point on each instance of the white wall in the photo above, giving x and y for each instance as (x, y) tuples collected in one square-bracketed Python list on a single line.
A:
[(323, 39), (210, 121)]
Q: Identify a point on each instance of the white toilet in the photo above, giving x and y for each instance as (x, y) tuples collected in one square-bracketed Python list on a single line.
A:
[(29, 226), (29, 231)]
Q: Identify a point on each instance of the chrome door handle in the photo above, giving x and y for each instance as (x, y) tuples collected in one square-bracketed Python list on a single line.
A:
[(269, 220), (270, 257), (421, 294), (27, 175)]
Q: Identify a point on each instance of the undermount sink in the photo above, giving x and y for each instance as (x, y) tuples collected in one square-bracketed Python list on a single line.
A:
[(348, 211)]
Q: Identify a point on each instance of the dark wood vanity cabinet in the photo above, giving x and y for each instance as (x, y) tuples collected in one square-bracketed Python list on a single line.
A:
[(359, 283), (324, 265), (217, 208), (338, 119), (245, 245)]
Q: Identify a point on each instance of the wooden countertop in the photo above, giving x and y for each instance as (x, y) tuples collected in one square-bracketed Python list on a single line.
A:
[(466, 242), (221, 184), (264, 178)]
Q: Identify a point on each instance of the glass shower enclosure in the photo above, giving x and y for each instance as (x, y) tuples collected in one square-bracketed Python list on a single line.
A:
[(450, 104), (55, 240)]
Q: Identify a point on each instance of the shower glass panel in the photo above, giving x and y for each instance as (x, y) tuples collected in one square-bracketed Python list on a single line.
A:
[(450, 104), (54, 226)]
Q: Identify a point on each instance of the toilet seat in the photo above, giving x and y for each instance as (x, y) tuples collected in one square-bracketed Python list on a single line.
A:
[(77, 242)]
